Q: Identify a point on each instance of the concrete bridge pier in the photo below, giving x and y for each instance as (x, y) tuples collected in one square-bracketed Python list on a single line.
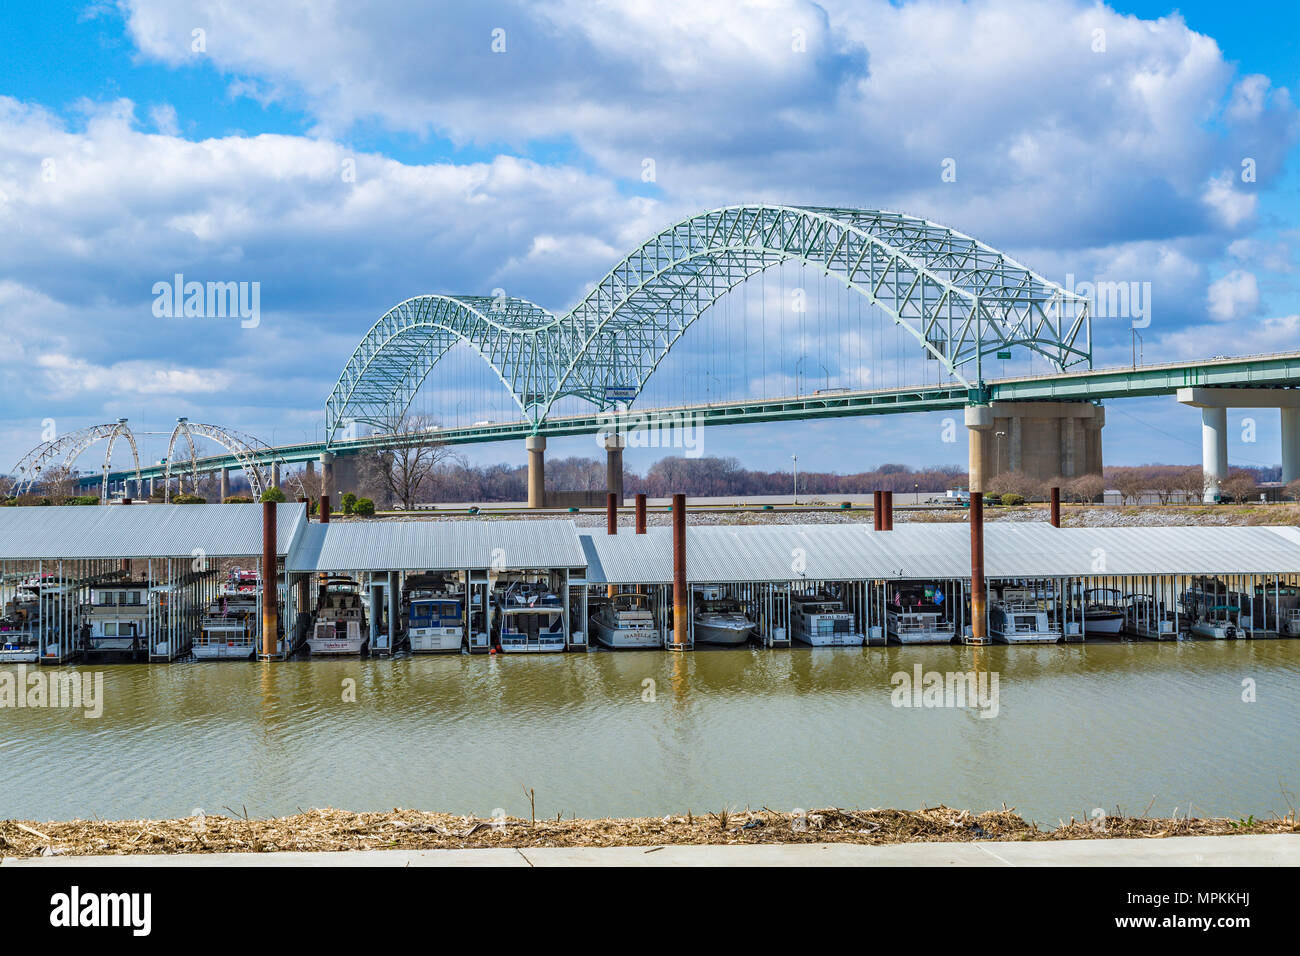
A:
[(1041, 440), (275, 474), (309, 480), (614, 444), (327, 474), (1214, 404), (225, 483), (536, 445)]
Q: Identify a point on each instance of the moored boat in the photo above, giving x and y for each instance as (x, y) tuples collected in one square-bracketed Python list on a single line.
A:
[(720, 619), (821, 621), (530, 619), (339, 626), (229, 628), (1219, 623), (435, 620), (1019, 622), (1102, 611), (626, 622), (916, 616)]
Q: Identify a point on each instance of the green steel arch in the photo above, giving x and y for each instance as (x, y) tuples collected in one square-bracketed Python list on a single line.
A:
[(959, 298)]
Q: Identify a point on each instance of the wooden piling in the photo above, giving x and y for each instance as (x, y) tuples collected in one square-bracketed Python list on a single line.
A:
[(270, 583), (680, 597), (1056, 507), (978, 591)]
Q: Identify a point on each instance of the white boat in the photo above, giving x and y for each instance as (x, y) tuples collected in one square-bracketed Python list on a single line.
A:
[(435, 621), (531, 620), (720, 619), (339, 627), (1018, 622), (1218, 623), (821, 621), (1291, 622), (18, 645), (916, 616), (626, 621), (1102, 611), (117, 619)]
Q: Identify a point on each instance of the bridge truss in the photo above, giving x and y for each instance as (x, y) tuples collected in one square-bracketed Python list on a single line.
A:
[(960, 299)]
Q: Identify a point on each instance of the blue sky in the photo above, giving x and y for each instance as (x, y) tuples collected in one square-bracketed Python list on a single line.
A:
[(133, 148)]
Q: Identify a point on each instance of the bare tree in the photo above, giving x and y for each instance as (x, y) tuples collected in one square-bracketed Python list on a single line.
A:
[(1087, 488), (1238, 486), (59, 483), (1191, 483), (405, 459)]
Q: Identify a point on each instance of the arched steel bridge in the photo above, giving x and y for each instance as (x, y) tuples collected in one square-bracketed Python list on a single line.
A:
[(960, 299), (57, 455)]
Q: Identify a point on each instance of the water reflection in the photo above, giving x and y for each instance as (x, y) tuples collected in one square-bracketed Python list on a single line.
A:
[(646, 732)]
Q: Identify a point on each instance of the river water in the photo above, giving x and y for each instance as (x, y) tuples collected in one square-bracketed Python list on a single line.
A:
[(1072, 728)]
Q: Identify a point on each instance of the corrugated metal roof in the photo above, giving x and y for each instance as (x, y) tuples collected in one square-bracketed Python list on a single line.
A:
[(721, 554), (141, 531), (437, 546)]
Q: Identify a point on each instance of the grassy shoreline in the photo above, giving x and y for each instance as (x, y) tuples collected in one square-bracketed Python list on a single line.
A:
[(329, 829)]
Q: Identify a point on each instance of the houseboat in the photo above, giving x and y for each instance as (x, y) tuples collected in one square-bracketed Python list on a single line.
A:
[(1021, 622), (435, 616), (1103, 611), (916, 616), (229, 629), (626, 621), (530, 619), (720, 619), (116, 622), (821, 621), (339, 625)]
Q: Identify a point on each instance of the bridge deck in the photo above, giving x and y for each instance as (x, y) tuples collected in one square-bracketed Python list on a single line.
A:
[(1277, 369)]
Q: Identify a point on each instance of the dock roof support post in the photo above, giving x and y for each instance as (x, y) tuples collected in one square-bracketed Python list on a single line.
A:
[(681, 616), (270, 584), (978, 591)]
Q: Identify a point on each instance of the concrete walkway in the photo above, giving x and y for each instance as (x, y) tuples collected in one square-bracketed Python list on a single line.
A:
[(1263, 850)]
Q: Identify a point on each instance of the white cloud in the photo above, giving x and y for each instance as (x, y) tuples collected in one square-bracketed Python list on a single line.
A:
[(1234, 296)]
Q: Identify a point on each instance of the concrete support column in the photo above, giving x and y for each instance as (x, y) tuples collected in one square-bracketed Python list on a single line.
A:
[(1214, 449), (1015, 444), (1290, 445), (1092, 442), (275, 474), (1068, 463), (536, 445), (151, 486), (979, 426), (327, 474), (614, 465), (225, 483), (309, 480)]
